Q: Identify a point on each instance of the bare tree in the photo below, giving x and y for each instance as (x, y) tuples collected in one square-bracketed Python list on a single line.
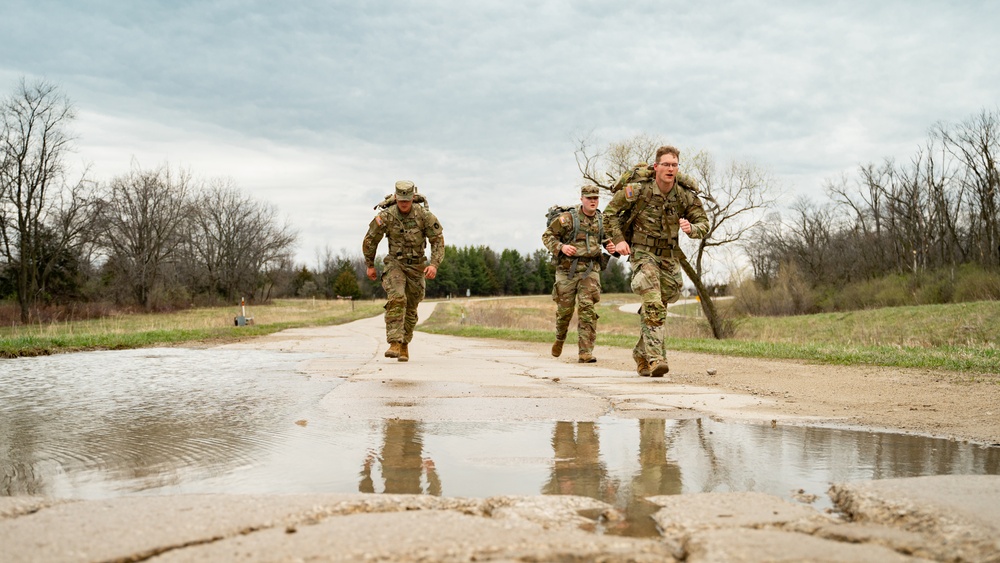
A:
[(236, 241), (603, 166), (41, 216), (761, 247), (736, 201), (144, 218), (975, 143)]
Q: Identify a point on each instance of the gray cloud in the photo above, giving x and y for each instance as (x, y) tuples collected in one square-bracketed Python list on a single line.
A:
[(481, 101)]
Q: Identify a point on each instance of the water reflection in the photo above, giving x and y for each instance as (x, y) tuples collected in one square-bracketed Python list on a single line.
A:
[(578, 469), (174, 421), (88, 424), (401, 462)]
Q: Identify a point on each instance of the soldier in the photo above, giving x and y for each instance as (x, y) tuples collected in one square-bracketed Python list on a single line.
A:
[(651, 214), (408, 228), (575, 239)]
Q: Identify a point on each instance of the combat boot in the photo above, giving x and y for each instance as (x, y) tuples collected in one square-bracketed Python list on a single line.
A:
[(404, 352), (642, 366), (393, 351), (658, 368), (587, 358), (557, 348)]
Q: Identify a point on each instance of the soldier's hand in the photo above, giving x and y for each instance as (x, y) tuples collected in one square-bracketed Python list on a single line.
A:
[(430, 272), (623, 249), (685, 226), (569, 250), (611, 247), (372, 274)]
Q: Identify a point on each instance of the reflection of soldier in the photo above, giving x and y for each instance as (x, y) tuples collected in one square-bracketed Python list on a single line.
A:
[(577, 469), (575, 239), (408, 228), (402, 462), (656, 212), (656, 475)]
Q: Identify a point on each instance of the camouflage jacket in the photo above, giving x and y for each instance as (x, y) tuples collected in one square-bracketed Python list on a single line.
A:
[(589, 238), (408, 234), (657, 224)]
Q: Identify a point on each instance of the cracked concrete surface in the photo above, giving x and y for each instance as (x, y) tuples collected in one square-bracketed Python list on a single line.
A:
[(927, 518)]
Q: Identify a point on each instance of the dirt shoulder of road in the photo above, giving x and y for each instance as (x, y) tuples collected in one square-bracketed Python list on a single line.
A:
[(932, 403)]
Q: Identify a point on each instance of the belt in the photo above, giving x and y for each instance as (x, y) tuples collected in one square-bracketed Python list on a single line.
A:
[(641, 239), (668, 252), (419, 260)]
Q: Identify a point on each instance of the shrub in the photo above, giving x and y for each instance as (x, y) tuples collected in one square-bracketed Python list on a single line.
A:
[(976, 284)]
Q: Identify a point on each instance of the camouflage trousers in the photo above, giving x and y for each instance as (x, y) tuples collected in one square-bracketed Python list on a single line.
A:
[(582, 293), (657, 282), (404, 286)]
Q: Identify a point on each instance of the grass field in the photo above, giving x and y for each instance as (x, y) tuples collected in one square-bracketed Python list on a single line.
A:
[(958, 337), (193, 325)]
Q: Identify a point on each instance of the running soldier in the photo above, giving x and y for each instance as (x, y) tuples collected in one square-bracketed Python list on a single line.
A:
[(644, 219), (575, 238), (408, 227)]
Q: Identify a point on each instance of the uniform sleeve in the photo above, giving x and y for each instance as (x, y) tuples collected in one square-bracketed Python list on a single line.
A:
[(552, 237), (613, 214), (435, 235), (376, 230), (695, 213)]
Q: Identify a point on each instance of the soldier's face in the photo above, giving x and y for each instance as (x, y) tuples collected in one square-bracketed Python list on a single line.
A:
[(404, 206), (666, 169), (590, 203)]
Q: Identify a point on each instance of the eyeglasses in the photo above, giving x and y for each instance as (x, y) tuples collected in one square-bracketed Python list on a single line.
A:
[(668, 164)]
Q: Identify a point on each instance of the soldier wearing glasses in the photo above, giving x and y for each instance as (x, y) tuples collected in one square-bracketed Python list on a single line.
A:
[(408, 227), (657, 212)]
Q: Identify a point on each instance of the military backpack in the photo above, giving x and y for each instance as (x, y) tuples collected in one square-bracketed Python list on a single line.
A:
[(390, 200), (574, 210), (644, 174)]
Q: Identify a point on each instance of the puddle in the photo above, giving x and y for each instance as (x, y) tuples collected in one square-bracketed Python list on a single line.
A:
[(164, 421)]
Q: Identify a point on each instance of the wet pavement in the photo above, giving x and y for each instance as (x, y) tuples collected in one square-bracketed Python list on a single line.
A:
[(321, 412)]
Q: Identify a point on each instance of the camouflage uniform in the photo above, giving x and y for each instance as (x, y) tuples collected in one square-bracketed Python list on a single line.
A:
[(656, 252), (578, 278), (403, 278)]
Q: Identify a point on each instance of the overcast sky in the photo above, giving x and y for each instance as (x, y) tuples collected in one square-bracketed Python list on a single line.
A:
[(319, 107)]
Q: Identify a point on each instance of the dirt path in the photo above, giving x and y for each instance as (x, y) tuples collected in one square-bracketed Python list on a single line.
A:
[(936, 403)]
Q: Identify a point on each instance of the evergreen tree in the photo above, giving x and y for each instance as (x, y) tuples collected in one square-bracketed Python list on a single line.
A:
[(346, 284)]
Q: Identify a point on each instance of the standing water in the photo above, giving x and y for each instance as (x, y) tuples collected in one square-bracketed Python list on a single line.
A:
[(173, 421)]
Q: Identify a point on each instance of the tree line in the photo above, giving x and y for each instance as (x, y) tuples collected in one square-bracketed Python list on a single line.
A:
[(148, 237), (469, 270), (940, 209)]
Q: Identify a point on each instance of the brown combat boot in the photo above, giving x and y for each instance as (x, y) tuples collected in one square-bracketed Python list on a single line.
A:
[(586, 358), (557, 348), (658, 368), (642, 366), (404, 352), (393, 351)]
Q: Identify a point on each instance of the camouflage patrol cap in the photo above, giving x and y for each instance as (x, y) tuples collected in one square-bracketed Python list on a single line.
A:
[(404, 190), (590, 191)]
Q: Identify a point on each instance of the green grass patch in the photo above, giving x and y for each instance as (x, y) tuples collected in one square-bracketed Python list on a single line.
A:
[(956, 337), (214, 325)]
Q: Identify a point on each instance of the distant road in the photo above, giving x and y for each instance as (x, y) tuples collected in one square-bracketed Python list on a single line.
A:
[(634, 307)]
